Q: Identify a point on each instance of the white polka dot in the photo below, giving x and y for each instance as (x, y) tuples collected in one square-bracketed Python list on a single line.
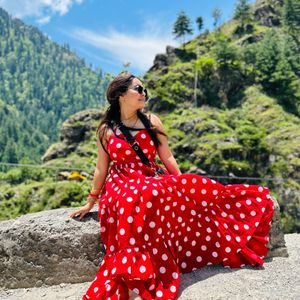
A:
[(122, 231), (146, 237), (227, 206), (132, 241), (246, 226), (203, 247), (204, 203), (162, 270), (152, 224), (143, 136), (192, 191), (228, 237), (188, 253), (215, 192), (199, 258), (248, 202), (194, 180), (208, 238), (136, 290), (127, 152), (164, 257), (183, 181), (113, 271), (173, 288), (258, 199), (130, 219), (253, 213), (175, 275), (149, 204), (111, 248), (242, 216), (238, 204), (154, 250), (238, 239), (105, 273), (217, 244), (260, 189), (243, 192), (227, 249), (215, 254), (204, 180), (124, 260), (129, 199), (159, 293), (118, 145), (203, 191), (155, 192), (236, 227), (183, 265), (142, 269), (96, 289)]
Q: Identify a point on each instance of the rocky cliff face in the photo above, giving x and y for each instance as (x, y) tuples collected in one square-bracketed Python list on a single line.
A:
[(74, 130)]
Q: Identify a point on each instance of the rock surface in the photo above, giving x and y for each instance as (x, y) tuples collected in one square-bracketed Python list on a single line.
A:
[(51, 248), (277, 279)]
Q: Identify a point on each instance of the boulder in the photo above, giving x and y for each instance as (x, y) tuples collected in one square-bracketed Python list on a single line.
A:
[(50, 248)]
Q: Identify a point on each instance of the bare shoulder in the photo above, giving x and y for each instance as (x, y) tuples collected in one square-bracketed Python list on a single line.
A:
[(105, 132), (155, 120)]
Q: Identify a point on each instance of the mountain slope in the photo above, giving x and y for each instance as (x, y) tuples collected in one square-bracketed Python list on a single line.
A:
[(42, 83)]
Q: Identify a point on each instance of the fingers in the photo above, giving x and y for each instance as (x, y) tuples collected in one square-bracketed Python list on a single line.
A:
[(77, 213)]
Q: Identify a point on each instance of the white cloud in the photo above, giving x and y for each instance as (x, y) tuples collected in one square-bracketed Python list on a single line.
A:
[(138, 48), (42, 10)]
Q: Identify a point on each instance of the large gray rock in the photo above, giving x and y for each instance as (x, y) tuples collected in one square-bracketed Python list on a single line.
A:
[(50, 248)]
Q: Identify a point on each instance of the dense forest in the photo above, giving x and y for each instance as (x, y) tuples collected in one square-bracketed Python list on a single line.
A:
[(42, 83)]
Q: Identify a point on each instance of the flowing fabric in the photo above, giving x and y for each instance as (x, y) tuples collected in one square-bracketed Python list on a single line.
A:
[(155, 228)]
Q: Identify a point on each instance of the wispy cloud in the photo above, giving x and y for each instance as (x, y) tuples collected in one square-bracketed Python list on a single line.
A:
[(138, 48), (42, 10)]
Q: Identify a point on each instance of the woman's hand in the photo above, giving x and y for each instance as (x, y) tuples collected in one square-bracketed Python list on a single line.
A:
[(82, 211)]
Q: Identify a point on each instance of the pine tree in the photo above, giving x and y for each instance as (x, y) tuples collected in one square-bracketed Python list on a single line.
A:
[(182, 27), (242, 12), (199, 22), (217, 16), (291, 15)]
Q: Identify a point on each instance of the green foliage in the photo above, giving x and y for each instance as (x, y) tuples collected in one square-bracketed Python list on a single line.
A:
[(242, 13), (42, 84), (199, 22), (182, 26), (291, 16)]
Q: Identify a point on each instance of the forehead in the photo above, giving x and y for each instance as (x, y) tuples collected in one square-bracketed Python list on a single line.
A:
[(136, 81)]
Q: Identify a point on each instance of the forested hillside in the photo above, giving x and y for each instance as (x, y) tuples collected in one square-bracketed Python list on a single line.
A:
[(41, 84)]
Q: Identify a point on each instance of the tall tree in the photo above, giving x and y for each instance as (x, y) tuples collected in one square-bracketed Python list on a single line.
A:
[(291, 15), (182, 27), (242, 12), (199, 22), (216, 13)]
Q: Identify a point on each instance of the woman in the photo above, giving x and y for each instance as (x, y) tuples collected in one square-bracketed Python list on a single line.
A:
[(155, 226)]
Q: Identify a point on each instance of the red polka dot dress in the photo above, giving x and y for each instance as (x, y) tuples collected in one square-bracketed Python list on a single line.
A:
[(155, 228)]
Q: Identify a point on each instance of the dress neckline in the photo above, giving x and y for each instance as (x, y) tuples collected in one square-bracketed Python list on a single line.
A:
[(118, 136)]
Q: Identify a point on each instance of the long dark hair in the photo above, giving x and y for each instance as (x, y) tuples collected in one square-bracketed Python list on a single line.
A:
[(117, 87)]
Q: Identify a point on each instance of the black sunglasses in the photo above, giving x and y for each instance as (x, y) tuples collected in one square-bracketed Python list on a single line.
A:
[(140, 89)]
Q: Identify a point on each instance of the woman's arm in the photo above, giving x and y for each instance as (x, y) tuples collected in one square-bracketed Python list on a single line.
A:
[(163, 150), (101, 169)]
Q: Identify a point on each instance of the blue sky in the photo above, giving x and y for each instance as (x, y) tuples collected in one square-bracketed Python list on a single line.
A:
[(108, 34)]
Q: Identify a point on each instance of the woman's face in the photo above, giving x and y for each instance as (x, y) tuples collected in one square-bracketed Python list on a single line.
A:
[(132, 98)]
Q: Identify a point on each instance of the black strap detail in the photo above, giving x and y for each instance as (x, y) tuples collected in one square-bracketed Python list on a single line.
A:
[(132, 142)]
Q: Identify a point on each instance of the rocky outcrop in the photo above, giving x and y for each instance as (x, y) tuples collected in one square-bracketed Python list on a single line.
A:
[(51, 248), (73, 131), (267, 12)]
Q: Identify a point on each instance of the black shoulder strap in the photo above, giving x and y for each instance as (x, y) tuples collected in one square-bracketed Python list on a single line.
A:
[(132, 142)]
